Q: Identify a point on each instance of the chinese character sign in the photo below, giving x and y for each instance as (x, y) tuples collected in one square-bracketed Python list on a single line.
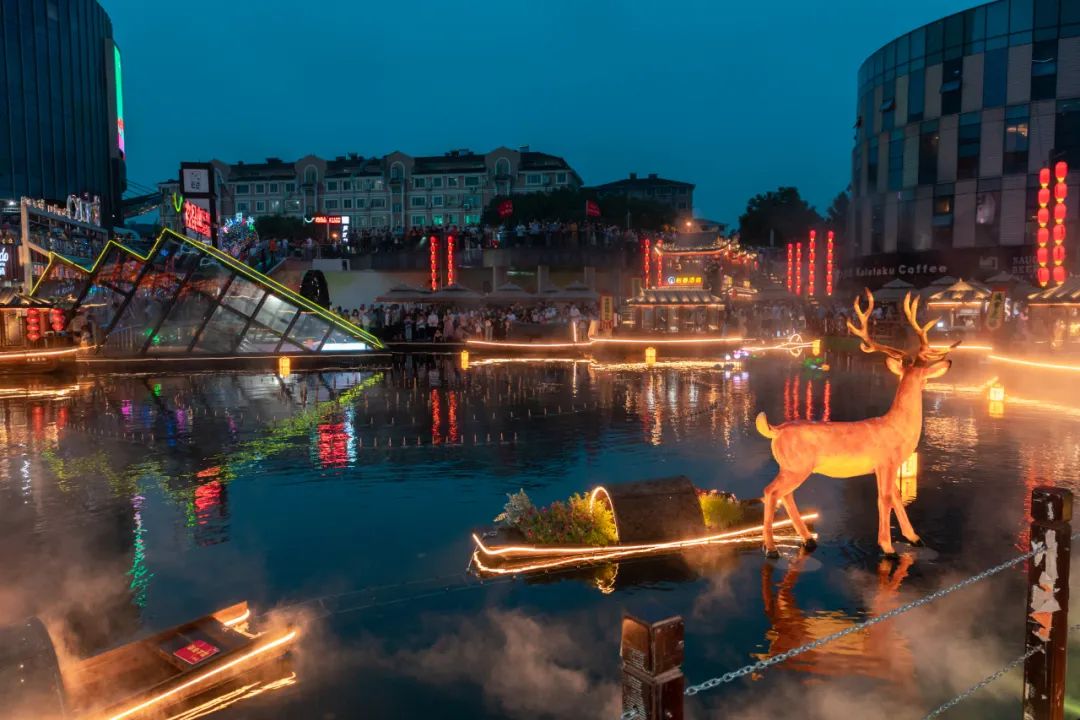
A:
[(197, 219)]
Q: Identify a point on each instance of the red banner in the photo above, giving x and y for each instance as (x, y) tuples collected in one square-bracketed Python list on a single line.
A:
[(592, 209), (506, 208)]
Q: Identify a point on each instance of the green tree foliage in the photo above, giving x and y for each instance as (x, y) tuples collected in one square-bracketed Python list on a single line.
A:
[(567, 205), (281, 227), (836, 216), (782, 211)]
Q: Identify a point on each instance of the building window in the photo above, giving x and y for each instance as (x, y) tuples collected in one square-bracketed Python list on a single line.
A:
[(951, 73), (928, 152), (681, 191), (967, 149), (331, 185), (1016, 139), (451, 182), (436, 201), (329, 204), (395, 208), (418, 183), (359, 203), (275, 206), (905, 221), (472, 181), (560, 178), (682, 205), (379, 221), (472, 202), (397, 171), (259, 188), (872, 165), (1067, 131), (292, 206), (378, 203), (419, 220), (534, 179), (888, 105), (472, 220), (988, 212), (311, 175), (260, 206), (273, 187), (896, 159), (1044, 70), (346, 203), (290, 187), (417, 202), (941, 223), (242, 189), (995, 77), (877, 226), (242, 207), (436, 219), (451, 219), (916, 102), (346, 185), (436, 182)]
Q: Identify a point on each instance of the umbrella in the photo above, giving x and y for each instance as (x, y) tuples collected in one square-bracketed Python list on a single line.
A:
[(402, 293), (455, 294), (961, 292), (509, 292), (893, 291), (578, 290)]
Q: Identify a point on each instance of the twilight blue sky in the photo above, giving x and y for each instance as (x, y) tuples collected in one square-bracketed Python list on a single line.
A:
[(735, 97)]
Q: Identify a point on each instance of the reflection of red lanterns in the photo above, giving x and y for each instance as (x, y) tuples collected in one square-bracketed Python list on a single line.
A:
[(56, 319), (33, 325), (829, 264)]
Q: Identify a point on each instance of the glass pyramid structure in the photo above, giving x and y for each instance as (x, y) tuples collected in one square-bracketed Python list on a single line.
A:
[(184, 297)]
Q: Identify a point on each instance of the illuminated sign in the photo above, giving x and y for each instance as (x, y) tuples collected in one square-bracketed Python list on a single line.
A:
[(119, 102), (685, 280), (328, 219), (5, 259), (197, 219)]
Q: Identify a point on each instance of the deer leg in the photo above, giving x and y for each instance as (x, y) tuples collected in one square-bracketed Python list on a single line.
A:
[(785, 483), (884, 506), (797, 521), (901, 516)]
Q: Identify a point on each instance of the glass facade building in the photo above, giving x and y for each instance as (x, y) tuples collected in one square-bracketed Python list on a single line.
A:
[(61, 118), (953, 122), (182, 297)]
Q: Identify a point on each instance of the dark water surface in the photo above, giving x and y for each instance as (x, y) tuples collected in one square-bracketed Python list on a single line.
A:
[(133, 503)]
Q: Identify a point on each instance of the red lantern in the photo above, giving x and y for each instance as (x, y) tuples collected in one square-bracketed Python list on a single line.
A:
[(798, 268), (1042, 255), (1043, 234), (1059, 213), (434, 242), (1059, 254), (56, 319), (1044, 196), (1044, 177), (1059, 274), (33, 325), (811, 263), (1059, 233), (450, 278), (829, 265), (1044, 276), (1061, 169), (645, 259), (1043, 216), (1061, 191), (790, 266)]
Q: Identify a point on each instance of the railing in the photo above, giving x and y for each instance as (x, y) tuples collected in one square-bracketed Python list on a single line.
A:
[(654, 687)]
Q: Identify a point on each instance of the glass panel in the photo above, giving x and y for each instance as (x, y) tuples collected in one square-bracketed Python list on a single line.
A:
[(259, 340), (309, 331), (222, 332), (975, 25), (243, 295), (340, 341), (1046, 13), (210, 276), (187, 314), (101, 305), (995, 71), (276, 314), (997, 19), (62, 284), (954, 31), (1020, 16), (175, 256), (119, 269)]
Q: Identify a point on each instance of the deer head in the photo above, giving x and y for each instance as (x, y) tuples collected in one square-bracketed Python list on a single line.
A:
[(923, 364)]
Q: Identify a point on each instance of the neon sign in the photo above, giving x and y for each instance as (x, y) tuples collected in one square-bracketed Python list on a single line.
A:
[(5, 258), (119, 103), (328, 219), (197, 219)]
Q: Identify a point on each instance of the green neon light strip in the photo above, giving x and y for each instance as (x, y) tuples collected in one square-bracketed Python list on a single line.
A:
[(230, 262)]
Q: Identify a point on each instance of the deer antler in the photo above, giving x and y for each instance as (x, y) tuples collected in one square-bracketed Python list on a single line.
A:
[(924, 353), (863, 331)]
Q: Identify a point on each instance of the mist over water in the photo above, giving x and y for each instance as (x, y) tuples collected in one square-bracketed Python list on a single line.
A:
[(347, 499)]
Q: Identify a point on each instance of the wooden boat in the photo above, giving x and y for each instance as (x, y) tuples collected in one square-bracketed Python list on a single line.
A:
[(652, 518), (141, 679), (33, 361)]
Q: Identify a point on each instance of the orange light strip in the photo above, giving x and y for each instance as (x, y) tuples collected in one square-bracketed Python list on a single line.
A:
[(661, 341), (980, 348), (623, 549), (41, 353), (494, 343), (288, 637), (238, 619), (1035, 363)]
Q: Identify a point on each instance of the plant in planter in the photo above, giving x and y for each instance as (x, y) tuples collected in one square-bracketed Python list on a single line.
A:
[(572, 522), (720, 510)]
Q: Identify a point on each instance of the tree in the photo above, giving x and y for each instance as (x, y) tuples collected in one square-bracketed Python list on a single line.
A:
[(782, 212), (568, 204), (836, 217), (280, 227)]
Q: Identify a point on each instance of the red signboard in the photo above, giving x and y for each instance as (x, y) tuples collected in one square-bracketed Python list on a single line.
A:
[(328, 219), (196, 652), (506, 208), (197, 219)]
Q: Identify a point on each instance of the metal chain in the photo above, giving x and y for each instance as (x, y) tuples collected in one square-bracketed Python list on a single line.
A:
[(783, 657), (983, 683)]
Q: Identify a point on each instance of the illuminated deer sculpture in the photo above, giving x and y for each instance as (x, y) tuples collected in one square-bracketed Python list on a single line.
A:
[(848, 449)]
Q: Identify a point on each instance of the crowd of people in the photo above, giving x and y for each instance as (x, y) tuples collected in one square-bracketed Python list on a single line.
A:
[(409, 322)]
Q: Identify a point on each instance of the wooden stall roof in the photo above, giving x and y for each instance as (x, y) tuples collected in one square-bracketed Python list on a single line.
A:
[(961, 292), (1066, 293), (12, 299), (654, 297)]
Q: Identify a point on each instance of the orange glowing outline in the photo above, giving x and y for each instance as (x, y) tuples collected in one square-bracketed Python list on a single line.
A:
[(673, 341), (965, 347), (1035, 363), (621, 550), (208, 674), (41, 353), (493, 343), (238, 619)]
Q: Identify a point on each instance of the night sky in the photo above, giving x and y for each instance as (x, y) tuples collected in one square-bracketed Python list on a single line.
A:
[(735, 97)]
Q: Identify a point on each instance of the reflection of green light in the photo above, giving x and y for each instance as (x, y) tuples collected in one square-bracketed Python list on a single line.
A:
[(157, 389), (140, 575)]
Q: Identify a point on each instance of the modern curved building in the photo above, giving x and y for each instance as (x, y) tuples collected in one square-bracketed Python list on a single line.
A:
[(954, 121), (62, 115)]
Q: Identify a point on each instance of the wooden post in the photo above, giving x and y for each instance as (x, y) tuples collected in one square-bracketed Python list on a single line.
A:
[(1047, 623), (652, 679)]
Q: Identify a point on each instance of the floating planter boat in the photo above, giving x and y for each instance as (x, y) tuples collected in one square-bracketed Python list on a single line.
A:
[(138, 680), (630, 520)]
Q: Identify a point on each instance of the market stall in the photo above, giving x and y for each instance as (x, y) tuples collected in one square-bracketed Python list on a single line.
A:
[(1055, 315), (962, 306)]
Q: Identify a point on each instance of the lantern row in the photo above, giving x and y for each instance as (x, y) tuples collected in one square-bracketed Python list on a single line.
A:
[(1043, 254), (794, 265)]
